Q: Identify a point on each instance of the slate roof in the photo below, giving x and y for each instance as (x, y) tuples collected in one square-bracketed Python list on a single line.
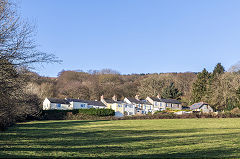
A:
[(173, 101), (134, 100), (60, 101), (109, 101), (145, 102), (197, 105), (95, 103), (155, 99), (120, 102), (89, 102), (75, 100)]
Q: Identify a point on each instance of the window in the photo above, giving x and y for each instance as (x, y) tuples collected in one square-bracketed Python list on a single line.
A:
[(119, 105), (82, 105), (59, 105)]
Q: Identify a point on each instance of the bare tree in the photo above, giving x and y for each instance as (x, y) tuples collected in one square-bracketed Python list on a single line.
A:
[(17, 43), (17, 49), (235, 67)]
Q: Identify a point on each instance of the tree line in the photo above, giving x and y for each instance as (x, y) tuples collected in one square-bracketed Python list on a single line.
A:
[(219, 88)]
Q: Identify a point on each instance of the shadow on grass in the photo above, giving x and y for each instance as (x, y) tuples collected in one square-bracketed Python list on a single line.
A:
[(58, 124), (221, 152), (114, 142)]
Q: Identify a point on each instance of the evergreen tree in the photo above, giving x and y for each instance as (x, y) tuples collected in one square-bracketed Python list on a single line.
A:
[(199, 88), (171, 92), (219, 69)]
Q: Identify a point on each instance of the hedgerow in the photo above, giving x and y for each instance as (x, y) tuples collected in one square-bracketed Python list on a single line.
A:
[(65, 114)]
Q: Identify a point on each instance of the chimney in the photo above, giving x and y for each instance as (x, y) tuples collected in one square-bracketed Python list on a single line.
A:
[(102, 99), (159, 96), (114, 98), (137, 97)]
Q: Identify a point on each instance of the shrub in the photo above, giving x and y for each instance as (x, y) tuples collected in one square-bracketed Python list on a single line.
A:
[(97, 112), (67, 114), (235, 111)]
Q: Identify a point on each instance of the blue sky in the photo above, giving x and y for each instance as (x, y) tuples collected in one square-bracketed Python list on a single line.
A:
[(136, 36)]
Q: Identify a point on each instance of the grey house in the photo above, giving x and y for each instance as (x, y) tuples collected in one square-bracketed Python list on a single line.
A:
[(161, 104), (201, 107)]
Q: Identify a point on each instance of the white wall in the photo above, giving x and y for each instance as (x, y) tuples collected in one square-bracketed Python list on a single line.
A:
[(79, 105), (206, 109), (60, 106), (46, 104), (130, 109), (98, 107)]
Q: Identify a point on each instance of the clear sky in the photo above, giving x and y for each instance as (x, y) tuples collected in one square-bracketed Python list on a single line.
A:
[(136, 36)]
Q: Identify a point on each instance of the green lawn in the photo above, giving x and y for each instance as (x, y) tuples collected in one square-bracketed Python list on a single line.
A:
[(123, 138)]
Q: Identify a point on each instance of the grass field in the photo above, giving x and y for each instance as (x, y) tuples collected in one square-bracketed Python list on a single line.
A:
[(123, 138)]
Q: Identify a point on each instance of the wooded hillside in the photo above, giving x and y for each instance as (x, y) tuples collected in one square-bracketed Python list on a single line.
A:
[(220, 89)]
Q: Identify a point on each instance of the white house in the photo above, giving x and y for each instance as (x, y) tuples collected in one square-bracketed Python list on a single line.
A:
[(201, 107), (85, 104), (52, 103), (142, 106), (129, 109), (77, 103), (158, 105), (161, 104)]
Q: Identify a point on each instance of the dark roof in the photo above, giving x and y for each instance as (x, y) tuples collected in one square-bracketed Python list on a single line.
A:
[(134, 100), (155, 99), (197, 105), (89, 102), (75, 100), (95, 103), (110, 101), (173, 101), (145, 102), (60, 101), (120, 101)]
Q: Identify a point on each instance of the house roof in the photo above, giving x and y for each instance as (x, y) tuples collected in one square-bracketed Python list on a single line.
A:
[(110, 101), (95, 103), (145, 102), (60, 101), (75, 100), (120, 102), (197, 105), (173, 101), (134, 100), (155, 99), (89, 102)]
